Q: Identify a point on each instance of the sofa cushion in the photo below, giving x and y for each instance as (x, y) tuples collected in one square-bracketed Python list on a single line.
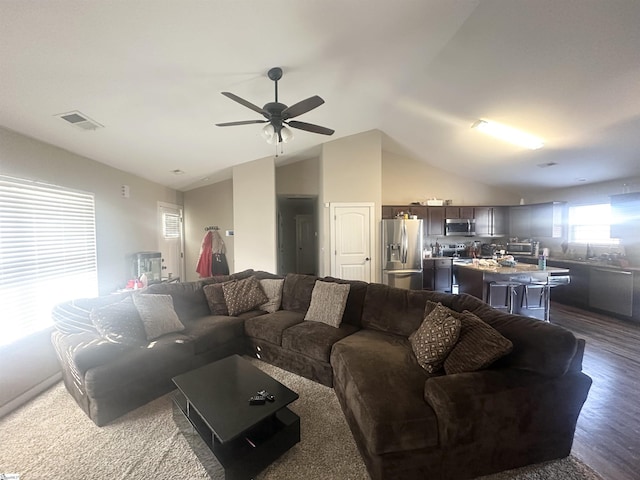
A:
[(273, 290), (394, 310), (539, 347), (479, 346), (188, 298), (157, 314), (215, 299), (208, 333), (435, 338), (328, 300), (120, 322), (296, 292), (383, 386), (269, 327), (315, 339), (243, 295), (355, 300)]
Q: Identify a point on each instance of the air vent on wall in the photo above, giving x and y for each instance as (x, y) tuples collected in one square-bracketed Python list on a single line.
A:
[(80, 120)]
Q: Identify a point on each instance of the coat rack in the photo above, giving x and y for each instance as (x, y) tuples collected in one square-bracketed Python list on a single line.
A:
[(214, 227)]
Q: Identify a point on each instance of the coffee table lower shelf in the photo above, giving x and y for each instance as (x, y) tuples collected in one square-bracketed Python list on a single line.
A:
[(248, 454)]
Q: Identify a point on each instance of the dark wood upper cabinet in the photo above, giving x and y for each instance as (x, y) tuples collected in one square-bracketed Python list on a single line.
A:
[(459, 212)]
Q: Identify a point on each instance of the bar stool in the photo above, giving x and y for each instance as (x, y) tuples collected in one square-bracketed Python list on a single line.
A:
[(538, 292), (500, 295)]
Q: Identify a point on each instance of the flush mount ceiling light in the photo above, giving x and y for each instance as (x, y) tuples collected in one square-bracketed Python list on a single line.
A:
[(509, 134)]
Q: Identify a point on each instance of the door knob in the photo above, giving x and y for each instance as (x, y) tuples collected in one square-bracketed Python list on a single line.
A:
[(367, 259)]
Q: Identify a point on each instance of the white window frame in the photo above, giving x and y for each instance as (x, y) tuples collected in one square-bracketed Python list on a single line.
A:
[(591, 223), (47, 253)]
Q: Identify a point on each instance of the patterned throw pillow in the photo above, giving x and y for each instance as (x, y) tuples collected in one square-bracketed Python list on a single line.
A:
[(478, 347), (120, 323), (273, 289), (328, 301), (243, 295), (157, 314), (435, 338), (215, 299)]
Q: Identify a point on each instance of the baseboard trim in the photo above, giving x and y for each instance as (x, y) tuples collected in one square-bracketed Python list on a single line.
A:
[(33, 392)]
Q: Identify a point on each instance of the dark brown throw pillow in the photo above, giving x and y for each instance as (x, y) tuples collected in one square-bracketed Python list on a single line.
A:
[(478, 347), (120, 323), (243, 295), (215, 299), (435, 338)]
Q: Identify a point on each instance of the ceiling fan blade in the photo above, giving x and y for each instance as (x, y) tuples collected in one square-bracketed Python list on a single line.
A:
[(241, 122), (247, 104), (310, 127), (302, 107)]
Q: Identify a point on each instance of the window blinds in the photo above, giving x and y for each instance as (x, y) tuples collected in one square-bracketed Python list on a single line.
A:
[(47, 253)]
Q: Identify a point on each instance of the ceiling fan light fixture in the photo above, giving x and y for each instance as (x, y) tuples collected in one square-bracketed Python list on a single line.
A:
[(268, 132), (508, 134), (287, 134)]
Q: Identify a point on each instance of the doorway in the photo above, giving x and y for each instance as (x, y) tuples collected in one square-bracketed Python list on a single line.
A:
[(171, 240), (297, 235), (352, 240)]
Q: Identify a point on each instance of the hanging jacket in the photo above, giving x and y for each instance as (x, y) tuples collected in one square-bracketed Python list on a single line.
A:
[(203, 267)]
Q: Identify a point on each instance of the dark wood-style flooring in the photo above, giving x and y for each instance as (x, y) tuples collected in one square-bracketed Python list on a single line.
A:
[(608, 432)]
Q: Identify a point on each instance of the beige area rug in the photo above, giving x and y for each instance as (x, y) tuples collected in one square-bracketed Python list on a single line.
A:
[(51, 438)]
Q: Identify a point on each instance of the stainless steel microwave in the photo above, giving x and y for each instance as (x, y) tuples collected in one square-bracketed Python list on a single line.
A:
[(461, 227)]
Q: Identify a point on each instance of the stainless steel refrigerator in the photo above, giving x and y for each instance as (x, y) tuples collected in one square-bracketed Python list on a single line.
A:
[(402, 253)]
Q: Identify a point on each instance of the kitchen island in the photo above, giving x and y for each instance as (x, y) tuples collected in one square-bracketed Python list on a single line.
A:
[(521, 288)]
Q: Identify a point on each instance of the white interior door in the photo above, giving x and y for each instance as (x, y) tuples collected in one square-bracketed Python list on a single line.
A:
[(171, 240), (352, 229)]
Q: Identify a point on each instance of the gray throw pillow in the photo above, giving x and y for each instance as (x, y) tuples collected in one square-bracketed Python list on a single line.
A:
[(435, 338), (328, 301), (273, 289), (478, 347), (120, 323), (243, 295), (157, 314)]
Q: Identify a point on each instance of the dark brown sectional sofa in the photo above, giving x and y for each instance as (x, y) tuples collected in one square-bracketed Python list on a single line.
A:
[(407, 423)]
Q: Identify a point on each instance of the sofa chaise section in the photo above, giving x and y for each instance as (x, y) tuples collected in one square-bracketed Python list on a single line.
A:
[(412, 424)]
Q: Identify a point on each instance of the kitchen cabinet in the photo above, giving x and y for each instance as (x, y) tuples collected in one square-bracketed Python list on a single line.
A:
[(433, 217), (625, 214), (611, 290), (435, 223), (393, 211), (543, 220), (459, 212), (491, 221), (437, 274), (576, 293)]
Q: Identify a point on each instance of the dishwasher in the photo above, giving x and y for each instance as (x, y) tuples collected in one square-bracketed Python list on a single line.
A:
[(611, 290)]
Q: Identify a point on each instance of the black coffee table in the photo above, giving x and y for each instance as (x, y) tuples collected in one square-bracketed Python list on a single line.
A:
[(244, 438)]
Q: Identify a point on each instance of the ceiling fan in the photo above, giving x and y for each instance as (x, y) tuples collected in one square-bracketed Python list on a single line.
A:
[(278, 115)]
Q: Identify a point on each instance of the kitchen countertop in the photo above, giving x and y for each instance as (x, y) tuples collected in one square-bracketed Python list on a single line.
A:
[(518, 268), (587, 263)]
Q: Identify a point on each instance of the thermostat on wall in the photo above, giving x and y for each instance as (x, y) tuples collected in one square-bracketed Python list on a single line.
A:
[(229, 233)]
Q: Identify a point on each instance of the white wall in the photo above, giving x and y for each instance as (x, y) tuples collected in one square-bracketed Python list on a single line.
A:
[(123, 225), (300, 178), (254, 215), (406, 180), (350, 171), (211, 205)]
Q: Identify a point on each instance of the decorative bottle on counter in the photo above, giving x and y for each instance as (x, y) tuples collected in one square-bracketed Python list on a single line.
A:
[(542, 262)]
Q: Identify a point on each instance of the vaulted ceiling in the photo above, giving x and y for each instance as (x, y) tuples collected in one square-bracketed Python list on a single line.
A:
[(421, 71)]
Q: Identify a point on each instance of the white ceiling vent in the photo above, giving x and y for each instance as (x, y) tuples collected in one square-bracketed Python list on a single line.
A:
[(80, 120)]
